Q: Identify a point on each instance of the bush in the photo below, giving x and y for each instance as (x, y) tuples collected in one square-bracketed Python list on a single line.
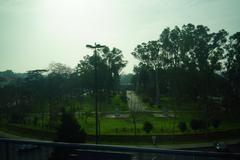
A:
[(202, 125), (3, 121), (145, 99), (123, 95), (216, 123), (182, 126), (196, 124), (159, 106), (116, 101), (147, 127), (70, 130)]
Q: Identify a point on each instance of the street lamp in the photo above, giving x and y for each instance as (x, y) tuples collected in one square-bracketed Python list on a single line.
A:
[(96, 48)]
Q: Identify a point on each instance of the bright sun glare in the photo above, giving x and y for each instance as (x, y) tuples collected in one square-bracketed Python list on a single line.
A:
[(76, 18)]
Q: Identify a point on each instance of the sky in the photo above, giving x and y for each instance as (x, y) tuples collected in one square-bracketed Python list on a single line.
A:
[(35, 33)]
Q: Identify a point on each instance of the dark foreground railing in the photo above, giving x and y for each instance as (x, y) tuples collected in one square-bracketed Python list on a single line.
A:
[(43, 150)]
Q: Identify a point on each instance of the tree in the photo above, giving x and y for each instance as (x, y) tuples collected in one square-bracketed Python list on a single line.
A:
[(216, 123), (85, 72), (190, 61), (150, 55), (197, 124), (34, 84), (144, 81), (109, 65), (147, 127), (126, 81), (60, 69), (182, 126), (194, 124), (87, 112), (69, 130), (59, 86), (115, 63), (2, 79), (233, 70), (58, 81)]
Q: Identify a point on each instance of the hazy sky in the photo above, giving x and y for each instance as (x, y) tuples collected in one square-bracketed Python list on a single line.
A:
[(34, 33)]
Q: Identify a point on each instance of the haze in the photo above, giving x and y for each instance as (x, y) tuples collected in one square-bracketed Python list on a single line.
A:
[(36, 33)]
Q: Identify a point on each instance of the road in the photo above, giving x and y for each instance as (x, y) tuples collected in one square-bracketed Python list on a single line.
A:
[(134, 103), (43, 153)]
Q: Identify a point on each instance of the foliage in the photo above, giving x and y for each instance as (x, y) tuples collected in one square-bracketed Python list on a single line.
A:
[(232, 96), (147, 127), (60, 69), (216, 123), (182, 126), (197, 124), (105, 65), (123, 95), (188, 64), (70, 130), (181, 56)]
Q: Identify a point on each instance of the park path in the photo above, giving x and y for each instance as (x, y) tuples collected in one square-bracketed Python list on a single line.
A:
[(134, 102), (4, 134)]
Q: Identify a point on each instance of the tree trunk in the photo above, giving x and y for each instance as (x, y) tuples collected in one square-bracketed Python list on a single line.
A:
[(134, 123), (157, 94)]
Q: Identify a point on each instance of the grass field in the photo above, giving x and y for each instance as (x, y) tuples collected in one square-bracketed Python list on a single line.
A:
[(124, 126)]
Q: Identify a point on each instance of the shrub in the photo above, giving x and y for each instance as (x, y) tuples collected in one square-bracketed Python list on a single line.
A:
[(147, 127), (145, 99), (17, 118), (216, 123), (70, 130), (123, 95), (182, 126), (196, 124), (116, 101), (202, 125), (159, 106)]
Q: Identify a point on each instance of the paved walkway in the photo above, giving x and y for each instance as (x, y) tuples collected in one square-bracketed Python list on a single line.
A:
[(134, 103), (192, 145), (9, 135)]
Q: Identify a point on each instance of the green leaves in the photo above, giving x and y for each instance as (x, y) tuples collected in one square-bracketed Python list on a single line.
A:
[(108, 63), (191, 51)]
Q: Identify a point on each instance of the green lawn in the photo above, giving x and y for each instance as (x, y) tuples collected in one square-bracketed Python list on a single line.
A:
[(120, 126), (124, 126)]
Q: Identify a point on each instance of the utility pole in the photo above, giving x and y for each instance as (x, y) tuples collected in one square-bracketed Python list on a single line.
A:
[(96, 48)]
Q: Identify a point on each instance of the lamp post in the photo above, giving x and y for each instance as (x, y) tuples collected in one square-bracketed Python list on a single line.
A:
[(96, 48)]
